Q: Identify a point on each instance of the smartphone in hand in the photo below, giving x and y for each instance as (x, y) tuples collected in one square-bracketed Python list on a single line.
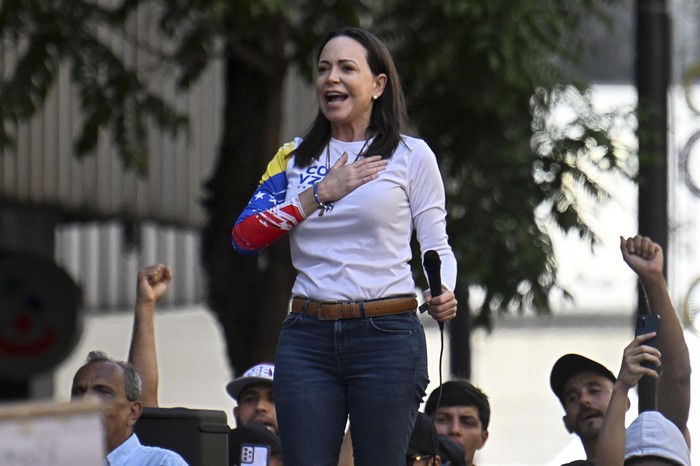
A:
[(647, 323), (255, 455)]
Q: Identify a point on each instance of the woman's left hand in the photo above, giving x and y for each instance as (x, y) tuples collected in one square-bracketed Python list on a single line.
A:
[(442, 307)]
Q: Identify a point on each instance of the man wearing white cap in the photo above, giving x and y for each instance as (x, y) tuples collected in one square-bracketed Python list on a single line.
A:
[(656, 437), (254, 397)]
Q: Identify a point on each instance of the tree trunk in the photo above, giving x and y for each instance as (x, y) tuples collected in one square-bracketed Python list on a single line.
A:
[(460, 336), (249, 294)]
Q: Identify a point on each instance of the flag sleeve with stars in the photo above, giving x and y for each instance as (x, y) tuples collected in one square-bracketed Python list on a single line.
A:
[(268, 216)]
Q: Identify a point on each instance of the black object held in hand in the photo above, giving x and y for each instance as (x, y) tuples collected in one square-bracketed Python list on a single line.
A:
[(432, 264), (646, 387), (648, 323)]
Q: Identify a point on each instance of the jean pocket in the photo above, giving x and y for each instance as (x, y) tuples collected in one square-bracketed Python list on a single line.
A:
[(403, 324), (291, 320)]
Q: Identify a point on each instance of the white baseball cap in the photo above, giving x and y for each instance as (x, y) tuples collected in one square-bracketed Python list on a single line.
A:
[(260, 373), (651, 434)]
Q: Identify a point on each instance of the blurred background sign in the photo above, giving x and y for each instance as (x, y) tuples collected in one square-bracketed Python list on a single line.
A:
[(684, 158), (39, 315)]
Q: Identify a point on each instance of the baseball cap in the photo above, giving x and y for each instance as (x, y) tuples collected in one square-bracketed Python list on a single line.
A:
[(651, 434), (260, 373), (451, 452), (255, 434), (424, 439), (571, 364)]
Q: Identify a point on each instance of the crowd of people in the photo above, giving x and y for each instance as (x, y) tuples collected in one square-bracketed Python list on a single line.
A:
[(350, 372), (455, 421)]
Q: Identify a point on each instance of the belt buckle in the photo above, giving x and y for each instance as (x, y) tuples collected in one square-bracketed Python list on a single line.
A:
[(346, 309)]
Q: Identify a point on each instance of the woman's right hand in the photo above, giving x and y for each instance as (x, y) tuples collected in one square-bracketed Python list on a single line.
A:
[(343, 178)]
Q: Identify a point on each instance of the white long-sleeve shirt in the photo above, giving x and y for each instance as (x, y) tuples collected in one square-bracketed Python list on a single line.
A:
[(361, 249)]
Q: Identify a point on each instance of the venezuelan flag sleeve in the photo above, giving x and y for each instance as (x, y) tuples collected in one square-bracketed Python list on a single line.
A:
[(268, 216)]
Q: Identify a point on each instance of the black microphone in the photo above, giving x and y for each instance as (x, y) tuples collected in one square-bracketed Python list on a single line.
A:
[(431, 264)]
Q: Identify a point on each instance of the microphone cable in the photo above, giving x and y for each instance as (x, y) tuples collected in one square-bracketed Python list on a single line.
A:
[(436, 448), (424, 307)]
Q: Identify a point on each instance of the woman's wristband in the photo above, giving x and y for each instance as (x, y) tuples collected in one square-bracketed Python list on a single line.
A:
[(324, 206)]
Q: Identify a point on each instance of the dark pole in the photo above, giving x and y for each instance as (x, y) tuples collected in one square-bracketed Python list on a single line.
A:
[(460, 337), (652, 77)]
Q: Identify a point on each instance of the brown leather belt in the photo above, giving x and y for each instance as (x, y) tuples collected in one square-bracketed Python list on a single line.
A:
[(335, 310)]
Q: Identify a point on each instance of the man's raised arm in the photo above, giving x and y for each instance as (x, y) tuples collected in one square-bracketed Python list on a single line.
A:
[(152, 283)]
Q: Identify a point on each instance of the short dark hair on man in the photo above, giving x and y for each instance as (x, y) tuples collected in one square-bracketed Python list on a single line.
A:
[(132, 377), (460, 393)]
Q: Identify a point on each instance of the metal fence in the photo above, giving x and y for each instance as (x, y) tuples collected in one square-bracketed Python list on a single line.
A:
[(43, 171), (104, 258)]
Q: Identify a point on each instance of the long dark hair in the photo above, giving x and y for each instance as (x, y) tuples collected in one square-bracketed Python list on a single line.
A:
[(388, 113)]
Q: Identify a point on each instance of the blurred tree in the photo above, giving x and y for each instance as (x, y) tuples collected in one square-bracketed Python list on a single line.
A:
[(481, 80), (483, 84)]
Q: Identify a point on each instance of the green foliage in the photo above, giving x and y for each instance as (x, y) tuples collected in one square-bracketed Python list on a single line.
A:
[(483, 81), (41, 36)]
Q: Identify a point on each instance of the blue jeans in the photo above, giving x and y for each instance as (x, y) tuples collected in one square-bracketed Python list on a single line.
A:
[(371, 369)]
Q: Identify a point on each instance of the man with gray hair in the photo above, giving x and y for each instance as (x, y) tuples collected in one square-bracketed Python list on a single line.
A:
[(118, 385)]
